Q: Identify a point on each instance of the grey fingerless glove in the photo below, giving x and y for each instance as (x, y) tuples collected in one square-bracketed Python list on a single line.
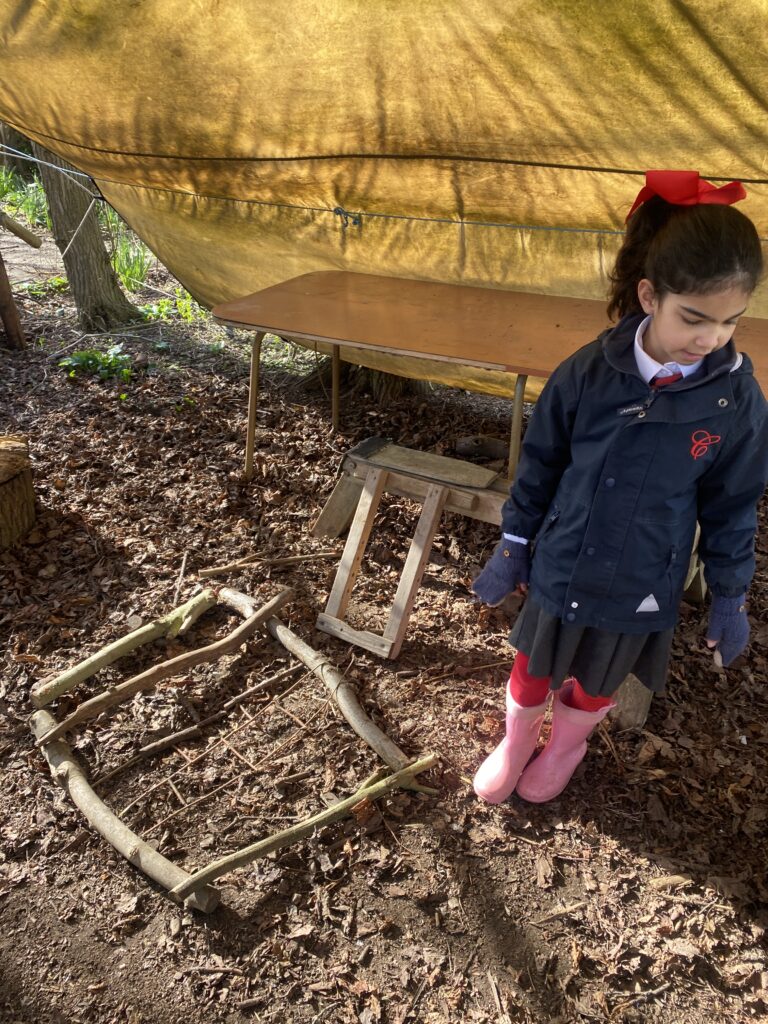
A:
[(729, 626), (508, 566)]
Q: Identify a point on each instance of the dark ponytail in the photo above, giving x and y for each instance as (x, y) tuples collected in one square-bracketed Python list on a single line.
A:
[(693, 250)]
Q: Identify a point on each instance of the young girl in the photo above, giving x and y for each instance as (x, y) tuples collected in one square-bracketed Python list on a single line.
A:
[(656, 425)]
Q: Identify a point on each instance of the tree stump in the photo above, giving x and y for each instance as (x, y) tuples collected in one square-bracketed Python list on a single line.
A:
[(17, 496)]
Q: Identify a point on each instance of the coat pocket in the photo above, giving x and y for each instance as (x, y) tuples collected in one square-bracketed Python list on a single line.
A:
[(671, 567), (549, 522)]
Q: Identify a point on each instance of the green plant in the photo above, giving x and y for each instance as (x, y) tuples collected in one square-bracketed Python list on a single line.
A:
[(51, 286), (24, 198), (130, 258), (94, 363), (181, 304), (161, 310), (8, 182), (186, 306)]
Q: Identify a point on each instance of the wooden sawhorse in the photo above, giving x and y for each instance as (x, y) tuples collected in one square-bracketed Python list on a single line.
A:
[(375, 467), (370, 470)]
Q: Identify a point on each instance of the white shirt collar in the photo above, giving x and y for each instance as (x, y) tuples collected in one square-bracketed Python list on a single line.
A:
[(647, 365)]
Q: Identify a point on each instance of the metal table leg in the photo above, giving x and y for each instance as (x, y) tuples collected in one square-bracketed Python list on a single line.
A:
[(517, 423), (335, 378)]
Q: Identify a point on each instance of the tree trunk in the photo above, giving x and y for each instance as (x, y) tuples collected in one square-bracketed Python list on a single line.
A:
[(9, 315), (100, 301), (386, 387), (10, 137)]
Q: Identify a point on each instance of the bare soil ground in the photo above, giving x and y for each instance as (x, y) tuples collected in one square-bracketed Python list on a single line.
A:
[(639, 895)]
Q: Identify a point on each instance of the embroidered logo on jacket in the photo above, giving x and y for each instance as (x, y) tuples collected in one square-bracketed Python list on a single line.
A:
[(702, 442)]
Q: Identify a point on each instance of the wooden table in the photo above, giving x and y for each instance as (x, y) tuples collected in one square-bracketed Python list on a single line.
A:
[(518, 332)]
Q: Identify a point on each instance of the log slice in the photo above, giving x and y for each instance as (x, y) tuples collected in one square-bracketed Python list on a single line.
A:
[(17, 495)]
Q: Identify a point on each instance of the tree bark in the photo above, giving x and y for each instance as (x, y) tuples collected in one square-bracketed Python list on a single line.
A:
[(100, 301), (10, 137), (17, 495), (9, 315)]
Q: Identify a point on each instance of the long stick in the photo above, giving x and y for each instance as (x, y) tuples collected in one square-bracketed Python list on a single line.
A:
[(338, 686), (251, 561), (302, 830), (70, 776), (147, 680), (174, 623)]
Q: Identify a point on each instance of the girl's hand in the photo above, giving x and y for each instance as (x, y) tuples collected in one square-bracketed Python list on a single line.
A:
[(728, 631), (506, 572)]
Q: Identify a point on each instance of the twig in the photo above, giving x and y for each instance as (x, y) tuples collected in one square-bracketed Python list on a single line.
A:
[(253, 560), (605, 737), (563, 912), (286, 780), (525, 839), (214, 970), (471, 958), (650, 993), (468, 671), (415, 999), (494, 991), (180, 579), (178, 795)]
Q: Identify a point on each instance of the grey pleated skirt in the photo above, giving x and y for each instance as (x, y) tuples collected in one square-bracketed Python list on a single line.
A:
[(600, 660)]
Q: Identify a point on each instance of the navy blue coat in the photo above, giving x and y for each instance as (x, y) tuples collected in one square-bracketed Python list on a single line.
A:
[(613, 476)]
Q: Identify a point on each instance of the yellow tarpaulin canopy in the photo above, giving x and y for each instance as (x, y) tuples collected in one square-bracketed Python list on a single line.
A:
[(479, 142)]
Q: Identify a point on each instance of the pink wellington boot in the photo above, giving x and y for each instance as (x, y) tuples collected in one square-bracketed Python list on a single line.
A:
[(498, 774), (548, 775)]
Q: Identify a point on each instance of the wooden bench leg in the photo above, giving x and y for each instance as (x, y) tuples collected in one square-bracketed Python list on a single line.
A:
[(253, 402), (359, 532), (339, 511), (413, 569)]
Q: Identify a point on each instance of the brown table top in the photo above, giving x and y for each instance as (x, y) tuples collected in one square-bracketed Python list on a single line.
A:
[(519, 332)]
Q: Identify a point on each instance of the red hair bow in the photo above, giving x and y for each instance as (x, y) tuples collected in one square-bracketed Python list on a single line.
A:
[(686, 188)]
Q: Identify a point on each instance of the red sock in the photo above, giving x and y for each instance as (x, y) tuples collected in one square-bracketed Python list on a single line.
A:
[(583, 701), (528, 691)]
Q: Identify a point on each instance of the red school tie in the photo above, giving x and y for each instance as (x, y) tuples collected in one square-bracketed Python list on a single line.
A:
[(661, 382)]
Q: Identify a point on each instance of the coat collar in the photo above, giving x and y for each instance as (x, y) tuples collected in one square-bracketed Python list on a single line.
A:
[(618, 344)]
